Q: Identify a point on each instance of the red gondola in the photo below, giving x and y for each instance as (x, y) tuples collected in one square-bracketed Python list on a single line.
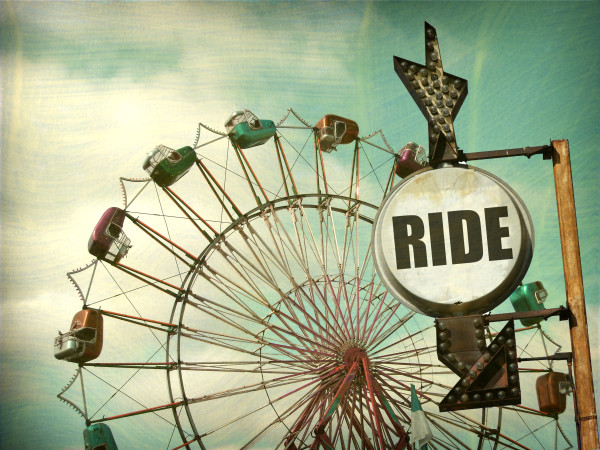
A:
[(410, 158), (108, 241)]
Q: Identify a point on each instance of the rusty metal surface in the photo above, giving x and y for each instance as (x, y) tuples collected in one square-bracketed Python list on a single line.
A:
[(493, 377), (567, 223), (544, 150), (439, 96), (550, 398), (561, 312), (329, 120)]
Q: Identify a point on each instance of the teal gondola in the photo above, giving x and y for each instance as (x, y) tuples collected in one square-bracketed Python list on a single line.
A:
[(529, 297), (98, 436), (165, 165), (246, 130)]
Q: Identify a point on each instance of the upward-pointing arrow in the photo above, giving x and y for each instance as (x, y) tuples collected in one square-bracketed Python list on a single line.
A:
[(438, 95)]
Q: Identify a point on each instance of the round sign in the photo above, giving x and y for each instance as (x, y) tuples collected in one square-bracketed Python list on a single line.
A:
[(452, 241)]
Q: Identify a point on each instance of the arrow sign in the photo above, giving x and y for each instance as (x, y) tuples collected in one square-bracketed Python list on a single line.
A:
[(438, 95), (489, 374)]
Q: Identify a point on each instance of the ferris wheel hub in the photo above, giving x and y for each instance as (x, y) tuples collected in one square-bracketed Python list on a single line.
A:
[(353, 354)]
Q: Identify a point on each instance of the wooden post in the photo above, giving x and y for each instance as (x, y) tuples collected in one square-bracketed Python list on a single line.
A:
[(585, 407)]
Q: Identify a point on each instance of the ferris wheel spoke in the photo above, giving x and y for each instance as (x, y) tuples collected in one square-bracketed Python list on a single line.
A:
[(307, 329), (332, 239), (283, 244), (347, 316), (374, 341), (150, 280), (139, 317), (262, 270), (400, 340), (145, 409), (188, 211), (365, 299), (277, 258), (401, 405), (287, 174), (241, 417), (267, 384), (532, 432), (145, 181), (406, 374), (304, 340), (221, 195), (521, 409), (367, 416), (282, 367), (169, 238), (367, 263), (224, 319), (460, 423), (391, 330), (352, 423), (367, 309), (214, 308), (237, 296), (164, 242), (464, 422), (252, 289), (313, 245), (281, 316), (416, 351), (331, 322), (304, 419), (228, 283), (250, 175), (321, 295), (284, 415), (293, 307), (347, 244), (444, 432), (300, 240), (374, 169), (377, 339), (377, 317), (221, 339), (318, 314)]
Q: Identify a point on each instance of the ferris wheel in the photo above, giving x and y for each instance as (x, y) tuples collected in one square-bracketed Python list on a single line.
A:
[(234, 303)]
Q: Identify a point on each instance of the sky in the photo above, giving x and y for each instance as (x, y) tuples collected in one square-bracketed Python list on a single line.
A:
[(89, 88)]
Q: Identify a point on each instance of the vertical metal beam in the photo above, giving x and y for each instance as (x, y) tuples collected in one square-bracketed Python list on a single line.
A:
[(585, 408)]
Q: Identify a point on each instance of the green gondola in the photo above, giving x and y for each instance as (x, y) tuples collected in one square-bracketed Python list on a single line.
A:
[(246, 130), (98, 436), (529, 297), (166, 165)]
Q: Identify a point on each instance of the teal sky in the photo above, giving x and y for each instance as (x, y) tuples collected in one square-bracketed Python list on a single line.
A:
[(88, 88)]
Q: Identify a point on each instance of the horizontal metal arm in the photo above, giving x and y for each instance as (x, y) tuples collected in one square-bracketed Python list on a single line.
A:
[(545, 150), (562, 312), (568, 356)]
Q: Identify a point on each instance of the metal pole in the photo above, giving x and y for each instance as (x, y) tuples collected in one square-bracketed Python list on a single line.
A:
[(585, 407)]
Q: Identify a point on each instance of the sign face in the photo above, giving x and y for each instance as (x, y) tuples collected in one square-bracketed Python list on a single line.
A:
[(452, 241)]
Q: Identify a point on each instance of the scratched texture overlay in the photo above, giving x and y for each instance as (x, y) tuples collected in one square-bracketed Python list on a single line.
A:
[(89, 88)]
